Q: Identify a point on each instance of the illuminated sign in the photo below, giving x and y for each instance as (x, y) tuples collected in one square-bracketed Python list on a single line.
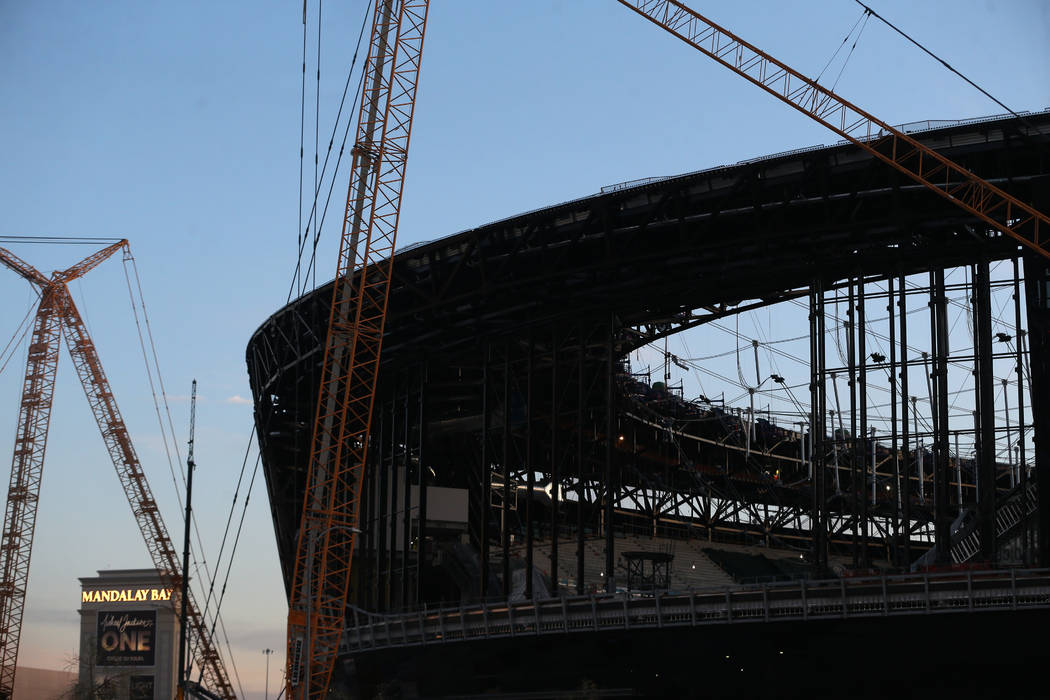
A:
[(141, 688), (126, 595), (126, 638)]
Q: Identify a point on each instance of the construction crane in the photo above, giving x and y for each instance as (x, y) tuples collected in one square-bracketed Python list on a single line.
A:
[(339, 449), (926, 166), (58, 315)]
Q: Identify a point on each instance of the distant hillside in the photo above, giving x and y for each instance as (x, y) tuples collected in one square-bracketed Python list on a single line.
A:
[(43, 684)]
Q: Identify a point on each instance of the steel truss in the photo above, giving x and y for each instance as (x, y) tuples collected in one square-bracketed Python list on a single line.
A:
[(478, 309)]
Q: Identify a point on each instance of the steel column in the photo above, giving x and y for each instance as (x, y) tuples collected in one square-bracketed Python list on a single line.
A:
[(580, 490), (555, 464), (368, 516), (505, 519), (942, 468), (986, 497), (530, 473), (485, 474), (1037, 298), (862, 391), (856, 493), (818, 410), (381, 523), (392, 513), (421, 484), (1019, 333), (890, 299), (610, 446), (406, 498), (906, 481)]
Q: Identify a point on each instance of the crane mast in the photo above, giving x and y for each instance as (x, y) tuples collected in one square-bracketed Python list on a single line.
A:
[(58, 315), (1001, 211), (339, 448), (27, 463)]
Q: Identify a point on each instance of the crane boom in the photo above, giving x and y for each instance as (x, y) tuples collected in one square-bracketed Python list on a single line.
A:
[(133, 480), (955, 183), (90, 262), (24, 269), (57, 314), (339, 449)]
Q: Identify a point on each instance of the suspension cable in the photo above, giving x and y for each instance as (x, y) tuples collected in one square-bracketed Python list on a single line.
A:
[(298, 272), (302, 135), (342, 146), (948, 66), (58, 240), (152, 388), (20, 334), (236, 542), (229, 519), (863, 15), (317, 113), (850, 54), (198, 563)]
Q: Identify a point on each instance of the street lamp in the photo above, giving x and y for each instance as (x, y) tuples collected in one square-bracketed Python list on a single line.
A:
[(307, 584), (266, 693)]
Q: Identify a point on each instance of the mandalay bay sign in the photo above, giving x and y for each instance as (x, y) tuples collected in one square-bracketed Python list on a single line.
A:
[(126, 595)]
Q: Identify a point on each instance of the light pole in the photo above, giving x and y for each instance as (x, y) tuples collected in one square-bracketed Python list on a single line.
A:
[(307, 584), (185, 592), (266, 693)]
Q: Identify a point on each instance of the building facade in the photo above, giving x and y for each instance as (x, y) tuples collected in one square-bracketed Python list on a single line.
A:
[(129, 633)]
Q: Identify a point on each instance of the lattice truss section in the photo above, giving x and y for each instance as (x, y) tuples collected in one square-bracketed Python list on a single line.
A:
[(955, 183), (354, 341)]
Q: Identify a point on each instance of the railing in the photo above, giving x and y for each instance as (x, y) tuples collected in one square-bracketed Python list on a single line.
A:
[(804, 600), (1007, 516)]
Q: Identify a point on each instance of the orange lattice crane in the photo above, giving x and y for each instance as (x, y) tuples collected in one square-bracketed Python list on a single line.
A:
[(926, 166), (57, 314), (321, 581)]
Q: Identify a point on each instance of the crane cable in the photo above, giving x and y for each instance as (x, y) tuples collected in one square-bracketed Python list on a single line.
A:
[(317, 113), (229, 519), (233, 552), (302, 136), (152, 389), (850, 54), (863, 15), (59, 240), (948, 66), (128, 257), (342, 146), (20, 334), (863, 22), (298, 273)]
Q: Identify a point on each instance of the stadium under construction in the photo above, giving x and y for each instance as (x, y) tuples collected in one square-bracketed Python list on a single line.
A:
[(545, 511)]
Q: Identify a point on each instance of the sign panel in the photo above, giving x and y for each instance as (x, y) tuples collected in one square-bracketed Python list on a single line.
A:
[(126, 637), (141, 688), (126, 595)]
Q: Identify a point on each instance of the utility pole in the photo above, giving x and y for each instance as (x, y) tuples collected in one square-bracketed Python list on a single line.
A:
[(190, 464), (266, 693)]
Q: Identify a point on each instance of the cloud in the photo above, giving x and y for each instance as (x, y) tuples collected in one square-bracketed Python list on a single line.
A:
[(237, 400)]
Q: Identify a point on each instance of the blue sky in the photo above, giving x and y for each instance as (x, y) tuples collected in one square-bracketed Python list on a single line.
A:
[(176, 126)]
